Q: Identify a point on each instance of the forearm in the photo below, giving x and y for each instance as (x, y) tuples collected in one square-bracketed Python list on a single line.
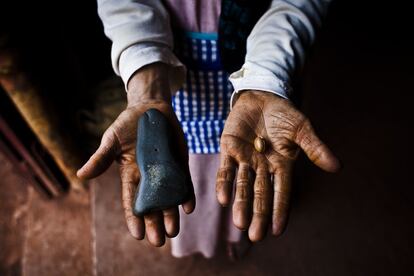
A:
[(141, 35), (139, 22), (150, 83), (277, 46)]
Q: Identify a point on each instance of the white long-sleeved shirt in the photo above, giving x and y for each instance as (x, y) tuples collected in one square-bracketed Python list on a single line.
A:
[(141, 34)]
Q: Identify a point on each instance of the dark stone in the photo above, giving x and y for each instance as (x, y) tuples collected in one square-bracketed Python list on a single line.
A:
[(163, 183)]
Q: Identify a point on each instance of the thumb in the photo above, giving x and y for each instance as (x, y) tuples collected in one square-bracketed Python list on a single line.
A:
[(102, 158), (315, 149)]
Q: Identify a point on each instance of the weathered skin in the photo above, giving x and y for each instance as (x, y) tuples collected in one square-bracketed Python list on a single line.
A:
[(148, 88), (286, 131)]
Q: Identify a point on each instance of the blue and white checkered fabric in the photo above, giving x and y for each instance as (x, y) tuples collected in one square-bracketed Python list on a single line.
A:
[(202, 105)]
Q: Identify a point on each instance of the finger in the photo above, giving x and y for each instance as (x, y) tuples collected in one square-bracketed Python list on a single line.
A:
[(281, 187), (129, 181), (315, 149), (225, 179), (171, 222), (242, 199), (189, 206), (181, 152), (102, 158), (262, 203), (154, 226)]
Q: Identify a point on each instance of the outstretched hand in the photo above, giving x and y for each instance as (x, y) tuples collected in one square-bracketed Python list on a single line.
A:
[(263, 180), (119, 143)]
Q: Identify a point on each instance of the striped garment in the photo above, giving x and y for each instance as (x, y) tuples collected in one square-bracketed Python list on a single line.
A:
[(202, 105)]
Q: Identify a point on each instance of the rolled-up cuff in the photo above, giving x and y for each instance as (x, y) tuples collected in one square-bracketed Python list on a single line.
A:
[(246, 79), (136, 57)]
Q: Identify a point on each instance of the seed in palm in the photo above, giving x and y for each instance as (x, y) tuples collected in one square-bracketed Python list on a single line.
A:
[(259, 144)]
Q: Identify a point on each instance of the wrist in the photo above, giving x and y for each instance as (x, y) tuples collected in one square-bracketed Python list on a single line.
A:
[(149, 83), (259, 97)]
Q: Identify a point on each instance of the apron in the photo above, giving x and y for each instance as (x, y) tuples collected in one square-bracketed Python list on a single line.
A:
[(202, 105)]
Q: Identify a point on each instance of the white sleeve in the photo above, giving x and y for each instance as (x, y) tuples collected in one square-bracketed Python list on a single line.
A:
[(277, 45), (141, 34)]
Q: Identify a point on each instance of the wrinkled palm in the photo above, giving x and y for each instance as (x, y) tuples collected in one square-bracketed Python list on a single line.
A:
[(118, 143), (263, 180)]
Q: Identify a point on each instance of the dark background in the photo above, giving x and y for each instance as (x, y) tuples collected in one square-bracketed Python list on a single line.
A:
[(357, 90)]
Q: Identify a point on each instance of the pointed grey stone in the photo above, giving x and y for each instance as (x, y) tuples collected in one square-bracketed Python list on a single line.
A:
[(163, 182)]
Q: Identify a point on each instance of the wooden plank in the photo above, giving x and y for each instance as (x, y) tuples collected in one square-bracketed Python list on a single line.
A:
[(41, 115)]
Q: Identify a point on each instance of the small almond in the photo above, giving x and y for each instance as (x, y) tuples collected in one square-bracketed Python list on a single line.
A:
[(259, 144)]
